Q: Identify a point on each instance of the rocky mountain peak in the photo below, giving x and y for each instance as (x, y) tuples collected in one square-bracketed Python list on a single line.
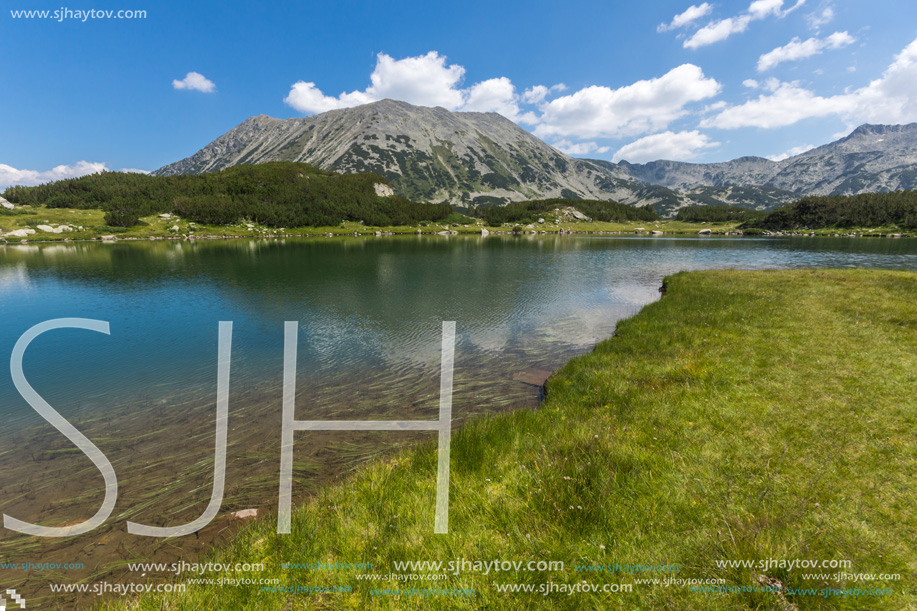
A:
[(471, 158)]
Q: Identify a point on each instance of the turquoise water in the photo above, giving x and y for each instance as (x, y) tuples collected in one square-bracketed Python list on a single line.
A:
[(370, 312), (366, 307)]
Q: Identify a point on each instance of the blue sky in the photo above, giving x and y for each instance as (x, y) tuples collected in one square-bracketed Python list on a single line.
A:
[(697, 81)]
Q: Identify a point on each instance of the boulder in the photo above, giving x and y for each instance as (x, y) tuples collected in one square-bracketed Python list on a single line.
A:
[(383, 190), (579, 215), (6, 204), (703, 232), (244, 514)]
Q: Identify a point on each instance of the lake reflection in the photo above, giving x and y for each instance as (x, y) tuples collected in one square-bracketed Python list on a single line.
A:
[(370, 313)]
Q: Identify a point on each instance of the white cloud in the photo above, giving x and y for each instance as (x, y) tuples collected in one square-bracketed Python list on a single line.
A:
[(196, 82), (650, 105), (424, 80), (307, 98), (715, 31), (720, 105), (693, 13), (135, 171), (587, 114), (796, 150), (786, 105), (816, 20), (592, 112), (538, 93), (798, 49), (892, 98), (751, 83), (493, 95), (667, 145), (759, 9), (10, 176), (579, 148)]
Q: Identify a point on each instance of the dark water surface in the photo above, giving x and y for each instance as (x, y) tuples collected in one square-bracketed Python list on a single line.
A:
[(370, 313)]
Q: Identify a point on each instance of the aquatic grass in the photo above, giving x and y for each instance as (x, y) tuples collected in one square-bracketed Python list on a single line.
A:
[(745, 416)]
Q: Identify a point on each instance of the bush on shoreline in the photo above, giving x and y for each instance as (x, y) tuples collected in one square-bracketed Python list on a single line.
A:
[(280, 194), (598, 210), (897, 208)]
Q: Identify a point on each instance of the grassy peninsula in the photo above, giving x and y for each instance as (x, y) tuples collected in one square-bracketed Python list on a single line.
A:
[(745, 416), (286, 198)]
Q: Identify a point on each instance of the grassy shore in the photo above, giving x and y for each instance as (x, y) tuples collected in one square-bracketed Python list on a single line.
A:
[(93, 227), (744, 416)]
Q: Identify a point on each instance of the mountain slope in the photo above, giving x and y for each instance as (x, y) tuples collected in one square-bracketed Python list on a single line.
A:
[(470, 159), (873, 158), (427, 154)]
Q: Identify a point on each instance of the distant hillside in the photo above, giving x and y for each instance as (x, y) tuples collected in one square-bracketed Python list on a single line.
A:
[(469, 159), (273, 194), (872, 159), (427, 154), (896, 210)]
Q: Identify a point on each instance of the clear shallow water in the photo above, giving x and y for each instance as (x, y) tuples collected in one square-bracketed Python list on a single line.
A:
[(371, 305), (370, 313)]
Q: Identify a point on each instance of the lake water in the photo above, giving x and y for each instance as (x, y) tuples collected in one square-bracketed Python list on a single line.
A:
[(370, 312)]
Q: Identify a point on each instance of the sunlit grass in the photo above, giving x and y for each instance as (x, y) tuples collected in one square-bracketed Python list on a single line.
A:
[(94, 227), (746, 415)]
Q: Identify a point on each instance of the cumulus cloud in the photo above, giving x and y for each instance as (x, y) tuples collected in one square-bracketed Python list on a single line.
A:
[(796, 150), (10, 176), (798, 49), (538, 93), (307, 98), (667, 145), (692, 14), (195, 81), (494, 95), (715, 31), (788, 104), (816, 20), (135, 171), (649, 105), (573, 120), (424, 80), (892, 98), (579, 148)]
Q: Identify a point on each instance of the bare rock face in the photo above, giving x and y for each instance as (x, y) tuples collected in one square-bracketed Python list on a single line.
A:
[(873, 158), (427, 154), (6, 204), (383, 190), (470, 159)]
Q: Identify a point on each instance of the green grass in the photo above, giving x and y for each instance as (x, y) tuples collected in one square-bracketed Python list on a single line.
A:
[(154, 227), (744, 416)]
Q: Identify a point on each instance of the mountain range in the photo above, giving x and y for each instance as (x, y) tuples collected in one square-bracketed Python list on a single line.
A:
[(470, 159)]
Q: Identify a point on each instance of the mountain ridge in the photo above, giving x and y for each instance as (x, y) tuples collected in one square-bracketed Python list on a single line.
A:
[(470, 159)]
